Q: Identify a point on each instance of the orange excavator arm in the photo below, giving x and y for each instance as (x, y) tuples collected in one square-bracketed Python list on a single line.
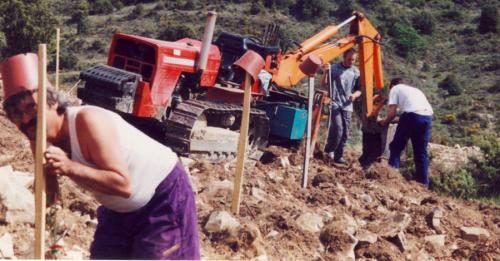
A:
[(361, 33)]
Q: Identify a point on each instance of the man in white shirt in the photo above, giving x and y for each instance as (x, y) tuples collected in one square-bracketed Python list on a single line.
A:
[(415, 123)]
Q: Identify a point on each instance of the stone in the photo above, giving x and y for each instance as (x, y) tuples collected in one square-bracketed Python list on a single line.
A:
[(474, 234), (220, 221), (345, 201), (261, 258), (18, 201), (436, 240), (391, 226), (340, 188), (350, 224), (258, 193), (310, 222), (272, 234), (285, 162), (187, 162), (217, 187), (400, 241), (195, 183), (92, 223), (366, 198), (26, 178), (76, 253), (339, 242), (366, 237), (274, 176), (435, 217), (6, 246)]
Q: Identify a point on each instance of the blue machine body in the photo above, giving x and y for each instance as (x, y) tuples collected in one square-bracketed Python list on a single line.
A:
[(286, 121)]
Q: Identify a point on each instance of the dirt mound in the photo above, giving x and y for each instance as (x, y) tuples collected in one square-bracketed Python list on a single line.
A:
[(339, 215)]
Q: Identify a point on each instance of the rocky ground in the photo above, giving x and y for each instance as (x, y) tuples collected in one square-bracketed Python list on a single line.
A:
[(345, 213)]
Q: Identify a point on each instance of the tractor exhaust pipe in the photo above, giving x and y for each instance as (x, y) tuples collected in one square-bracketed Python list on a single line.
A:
[(206, 41)]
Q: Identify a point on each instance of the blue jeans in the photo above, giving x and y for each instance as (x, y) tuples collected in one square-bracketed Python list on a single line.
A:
[(340, 123), (417, 128)]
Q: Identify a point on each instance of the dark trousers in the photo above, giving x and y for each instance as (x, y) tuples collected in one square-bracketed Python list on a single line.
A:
[(417, 128), (165, 228), (338, 133)]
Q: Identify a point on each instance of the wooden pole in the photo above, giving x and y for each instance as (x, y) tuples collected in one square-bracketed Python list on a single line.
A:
[(310, 102), (58, 39), (242, 147), (41, 144)]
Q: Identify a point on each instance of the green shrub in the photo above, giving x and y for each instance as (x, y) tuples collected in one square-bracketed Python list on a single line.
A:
[(449, 118), (310, 9), (98, 46), (175, 31), (101, 7), (451, 84), (407, 40), (256, 8), (495, 88), (83, 26), (424, 23), (488, 22), (459, 184), (415, 3), (137, 12), (452, 15), (487, 171), (68, 60), (279, 4)]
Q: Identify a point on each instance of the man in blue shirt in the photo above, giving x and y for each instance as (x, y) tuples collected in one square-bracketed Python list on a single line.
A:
[(344, 88)]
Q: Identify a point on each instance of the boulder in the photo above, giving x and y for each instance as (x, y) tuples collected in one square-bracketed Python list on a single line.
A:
[(6, 246), (474, 234), (366, 237), (436, 240), (310, 222), (220, 221), (220, 187), (18, 202), (285, 162), (391, 226), (258, 193)]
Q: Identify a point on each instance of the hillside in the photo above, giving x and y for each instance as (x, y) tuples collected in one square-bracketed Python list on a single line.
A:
[(344, 213)]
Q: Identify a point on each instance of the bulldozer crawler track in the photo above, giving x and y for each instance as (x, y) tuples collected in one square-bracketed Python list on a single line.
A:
[(180, 124)]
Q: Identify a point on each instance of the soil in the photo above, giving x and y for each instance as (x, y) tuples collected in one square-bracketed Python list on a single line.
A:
[(268, 220)]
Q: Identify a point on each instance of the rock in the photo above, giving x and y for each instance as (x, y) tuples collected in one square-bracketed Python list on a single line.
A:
[(340, 188), (272, 234), (26, 178), (76, 253), (6, 246), (339, 242), (435, 218), (18, 201), (390, 227), (258, 193), (285, 162), (187, 162), (474, 234), (261, 258), (310, 222), (345, 201), (350, 224), (218, 187), (366, 198), (220, 221), (366, 237), (195, 183), (400, 241), (436, 240), (274, 176)]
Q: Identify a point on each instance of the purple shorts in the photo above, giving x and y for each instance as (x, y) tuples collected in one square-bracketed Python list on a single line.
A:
[(165, 228)]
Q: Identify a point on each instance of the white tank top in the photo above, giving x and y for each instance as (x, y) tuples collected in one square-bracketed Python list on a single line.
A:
[(149, 162)]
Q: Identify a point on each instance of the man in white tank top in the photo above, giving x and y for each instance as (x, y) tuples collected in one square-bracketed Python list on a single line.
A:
[(415, 123), (148, 208)]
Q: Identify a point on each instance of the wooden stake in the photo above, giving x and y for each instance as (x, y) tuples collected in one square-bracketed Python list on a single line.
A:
[(58, 39), (305, 171), (242, 147), (41, 144)]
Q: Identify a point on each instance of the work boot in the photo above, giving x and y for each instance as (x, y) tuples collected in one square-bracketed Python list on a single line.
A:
[(340, 161), (331, 155)]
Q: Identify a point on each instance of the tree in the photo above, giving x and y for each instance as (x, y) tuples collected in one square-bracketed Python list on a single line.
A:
[(25, 25), (451, 84), (424, 23), (488, 22), (310, 9), (407, 40)]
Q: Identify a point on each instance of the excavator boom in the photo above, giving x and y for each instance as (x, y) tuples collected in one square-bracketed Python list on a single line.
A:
[(361, 33)]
